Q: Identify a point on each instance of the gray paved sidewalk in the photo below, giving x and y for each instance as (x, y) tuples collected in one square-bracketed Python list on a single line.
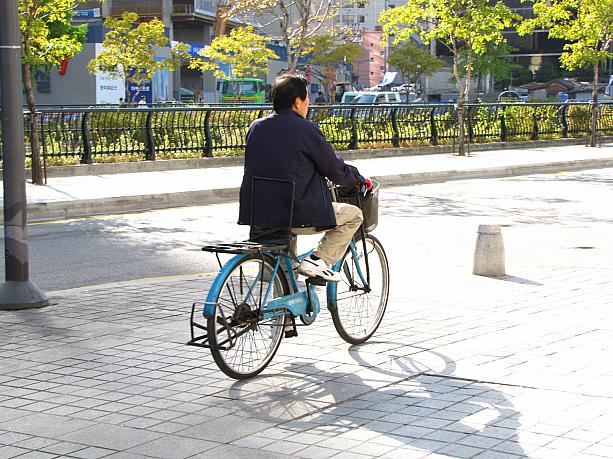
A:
[(462, 366), (86, 195)]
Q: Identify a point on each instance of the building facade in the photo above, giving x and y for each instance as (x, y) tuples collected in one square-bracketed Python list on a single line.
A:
[(188, 21)]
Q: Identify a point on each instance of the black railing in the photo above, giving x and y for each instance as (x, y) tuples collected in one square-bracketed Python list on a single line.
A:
[(91, 134)]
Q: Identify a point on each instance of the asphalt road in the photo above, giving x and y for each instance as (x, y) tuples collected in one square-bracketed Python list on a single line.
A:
[(570, 211)]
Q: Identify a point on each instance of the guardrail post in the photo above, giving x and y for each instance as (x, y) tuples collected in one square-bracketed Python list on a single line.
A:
[(503, 126), (396, 134), (43, 142), (86, 157), (208, 138), (433, 131), (535, 125), (469, 119), (149, 140), (564, 121), (353, 142)]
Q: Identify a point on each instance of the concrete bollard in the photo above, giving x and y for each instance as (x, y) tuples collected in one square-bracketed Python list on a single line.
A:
[(489, 252)]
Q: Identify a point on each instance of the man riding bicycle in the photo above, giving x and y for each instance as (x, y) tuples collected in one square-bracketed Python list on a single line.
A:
[(286, 146)]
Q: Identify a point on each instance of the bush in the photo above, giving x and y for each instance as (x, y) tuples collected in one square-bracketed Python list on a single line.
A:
[(122, 135)]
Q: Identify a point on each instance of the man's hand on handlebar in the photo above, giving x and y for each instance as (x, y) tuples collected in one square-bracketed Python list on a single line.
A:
[(364, 186)]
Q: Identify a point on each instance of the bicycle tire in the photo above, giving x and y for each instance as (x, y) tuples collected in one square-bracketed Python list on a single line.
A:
[(254, 339), (356, 313)]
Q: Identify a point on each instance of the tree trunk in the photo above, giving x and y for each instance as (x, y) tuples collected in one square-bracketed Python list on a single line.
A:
[(463, 90), (37, 170), (594, 124), (461, 134)]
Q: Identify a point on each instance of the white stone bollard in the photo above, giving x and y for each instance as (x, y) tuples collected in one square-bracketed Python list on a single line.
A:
[(489, 252)]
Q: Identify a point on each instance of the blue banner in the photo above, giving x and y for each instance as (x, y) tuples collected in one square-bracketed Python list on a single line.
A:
[(84, 14), (194, 49), (140, 94)]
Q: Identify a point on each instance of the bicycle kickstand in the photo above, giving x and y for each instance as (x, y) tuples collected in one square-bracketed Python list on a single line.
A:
[(291, 332)]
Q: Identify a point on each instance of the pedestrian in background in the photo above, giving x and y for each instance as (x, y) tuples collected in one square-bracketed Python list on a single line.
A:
[(320, 99)]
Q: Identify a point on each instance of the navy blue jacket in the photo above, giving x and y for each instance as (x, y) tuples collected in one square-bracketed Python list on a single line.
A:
[(286, 146)]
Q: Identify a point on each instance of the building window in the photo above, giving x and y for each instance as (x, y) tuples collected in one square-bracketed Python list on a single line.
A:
[(372, 73), (362, 19), (372, 59), (391, 6), (382, 67)]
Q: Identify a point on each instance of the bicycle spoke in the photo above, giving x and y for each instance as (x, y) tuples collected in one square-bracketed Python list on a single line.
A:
[(360, 306), (251, 342)]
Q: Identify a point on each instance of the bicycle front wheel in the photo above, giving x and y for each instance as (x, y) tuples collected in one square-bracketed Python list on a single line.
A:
[(361, 297), (242, 343)]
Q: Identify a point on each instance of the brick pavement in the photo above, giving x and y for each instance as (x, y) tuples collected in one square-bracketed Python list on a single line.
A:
[(462, 366)]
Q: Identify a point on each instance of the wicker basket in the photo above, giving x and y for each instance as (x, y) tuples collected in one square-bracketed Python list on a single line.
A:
[(369, 204)]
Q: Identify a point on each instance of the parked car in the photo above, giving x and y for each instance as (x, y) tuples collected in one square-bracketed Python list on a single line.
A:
[(387, 97), (349, 96)]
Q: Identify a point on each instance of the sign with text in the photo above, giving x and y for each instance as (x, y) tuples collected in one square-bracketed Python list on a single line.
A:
[(84, 14), (140, 93), (108, 90)]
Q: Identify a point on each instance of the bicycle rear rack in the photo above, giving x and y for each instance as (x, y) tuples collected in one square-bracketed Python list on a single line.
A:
[(243, 247)]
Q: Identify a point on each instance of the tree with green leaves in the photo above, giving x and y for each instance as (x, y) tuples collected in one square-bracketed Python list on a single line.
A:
[(47, 38), (520, 75), (413, 62), (587, 26), (128, 50), (293, 23), (463, 26), (243, 50), (495, 62), (329, 51), (547, 71)]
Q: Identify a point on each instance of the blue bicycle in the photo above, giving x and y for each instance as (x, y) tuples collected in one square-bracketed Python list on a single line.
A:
[(256, 297)]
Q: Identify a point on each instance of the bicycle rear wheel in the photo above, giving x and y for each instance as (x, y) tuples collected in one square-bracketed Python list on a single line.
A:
[(242, 343), (360, 305)]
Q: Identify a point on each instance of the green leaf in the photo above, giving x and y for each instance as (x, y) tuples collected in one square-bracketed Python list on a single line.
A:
[(243, 49)]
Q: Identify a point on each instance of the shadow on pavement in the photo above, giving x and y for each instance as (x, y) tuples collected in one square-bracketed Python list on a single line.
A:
[(517, 280), (407, 406)]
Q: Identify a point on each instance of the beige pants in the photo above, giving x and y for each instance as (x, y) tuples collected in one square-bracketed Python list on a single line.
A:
[(336, 240)]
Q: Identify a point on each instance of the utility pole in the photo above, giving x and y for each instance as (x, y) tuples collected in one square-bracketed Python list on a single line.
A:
[(17, 292)]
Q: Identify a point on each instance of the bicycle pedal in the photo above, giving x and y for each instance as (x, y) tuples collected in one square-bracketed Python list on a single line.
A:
[(319, 281), (291, 333)]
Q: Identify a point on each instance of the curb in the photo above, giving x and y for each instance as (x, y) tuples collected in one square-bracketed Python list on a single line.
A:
[(79, 170), (140, 203), (494, 172)]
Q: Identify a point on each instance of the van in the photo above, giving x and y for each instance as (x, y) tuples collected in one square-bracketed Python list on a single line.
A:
[(348, 97), (370, 98)]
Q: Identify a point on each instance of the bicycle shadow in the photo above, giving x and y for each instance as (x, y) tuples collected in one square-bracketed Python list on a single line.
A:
[(409, 404)]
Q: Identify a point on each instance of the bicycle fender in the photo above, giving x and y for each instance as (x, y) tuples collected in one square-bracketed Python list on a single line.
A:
[(210, 303), (331, 288)]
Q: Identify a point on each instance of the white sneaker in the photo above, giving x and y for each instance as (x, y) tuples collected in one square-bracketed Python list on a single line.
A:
[(318, 268)]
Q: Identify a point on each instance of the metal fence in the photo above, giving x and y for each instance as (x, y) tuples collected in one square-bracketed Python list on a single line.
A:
[(119, 133)]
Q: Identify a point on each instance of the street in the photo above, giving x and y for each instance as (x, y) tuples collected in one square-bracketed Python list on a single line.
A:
[(462, 365), (567, 214)]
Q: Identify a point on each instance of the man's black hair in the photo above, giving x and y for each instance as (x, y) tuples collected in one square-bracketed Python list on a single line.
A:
[(285, 90)]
